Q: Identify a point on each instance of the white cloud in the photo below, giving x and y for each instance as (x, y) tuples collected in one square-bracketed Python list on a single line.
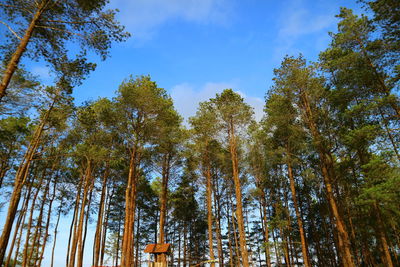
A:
[(300, 20), (142, 17), (187, 97)]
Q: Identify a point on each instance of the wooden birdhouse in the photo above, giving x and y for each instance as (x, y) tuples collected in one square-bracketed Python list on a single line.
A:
[(158, 254)]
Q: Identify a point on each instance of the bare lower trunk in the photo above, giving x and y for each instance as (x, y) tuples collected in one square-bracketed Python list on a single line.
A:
[(163, 199), (328, 174), (47, 225), (238, 192), (55, 235), (20, 180), (217, 207), (130, 206), (382, 237), (298, 215), (98, 234), (207, 174), (20, 220)]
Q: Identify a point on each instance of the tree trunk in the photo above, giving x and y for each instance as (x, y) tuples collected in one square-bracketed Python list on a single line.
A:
[(238, 192), (78, 233), (20, 220), (82, 240), (137, 238), (304, 249), (98, 234), (382, 236), (55, 235), (47, 224), (105, 225), (20, 179), (217, 212), (28, 230), (163, 200), (130, 206), (207, 174), (13, 63), (328, 174)]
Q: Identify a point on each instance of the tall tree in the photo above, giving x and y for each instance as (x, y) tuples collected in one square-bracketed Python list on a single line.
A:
[(234, 115), (142, 105), (204, 126), (44, 28)]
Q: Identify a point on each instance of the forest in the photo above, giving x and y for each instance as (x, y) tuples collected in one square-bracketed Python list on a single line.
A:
[(315, 182)]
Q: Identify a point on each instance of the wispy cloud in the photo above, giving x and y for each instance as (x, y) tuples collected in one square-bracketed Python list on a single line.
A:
[(300, 20), (187, 97), (143, 17)]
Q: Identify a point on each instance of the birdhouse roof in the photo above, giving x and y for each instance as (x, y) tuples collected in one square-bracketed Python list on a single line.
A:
[(158, 248)]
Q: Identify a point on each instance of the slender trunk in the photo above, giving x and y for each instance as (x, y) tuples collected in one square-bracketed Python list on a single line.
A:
[(237, 248), (98, 236), (391, 138), (217, 208), (81, 247), (207, 174), (72, 229), (184, 243), (137, 238), (163, 200), (238, 192), (14, 61), (179, 248), (29, 226), (77, 239), (55, 235), (382, 237), (18, 245), (38, 228), (264, 221), (130, 206), (304, 249), (20, 180), (105, 225), (118, 241), (20, 220), (47, 224), (328, 173)]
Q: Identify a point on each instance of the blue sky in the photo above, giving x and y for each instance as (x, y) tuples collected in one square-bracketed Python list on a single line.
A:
[(196, 48)]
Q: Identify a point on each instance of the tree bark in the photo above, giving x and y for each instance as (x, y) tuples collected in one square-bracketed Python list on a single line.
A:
[(130, 206), (14, 61), (328, 174), (98, 234), (304, 249), (207, 175), (20, 180), (217, 212), (238, 192)]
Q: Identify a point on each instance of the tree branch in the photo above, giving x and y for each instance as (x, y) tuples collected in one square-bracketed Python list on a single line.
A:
[(27, 10), (60, 30), (8, 26), (69, 22)]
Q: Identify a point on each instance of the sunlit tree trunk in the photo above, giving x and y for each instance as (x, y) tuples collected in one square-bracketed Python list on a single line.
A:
[(328, 173), (13, 63), (238, 193), (297, 210)]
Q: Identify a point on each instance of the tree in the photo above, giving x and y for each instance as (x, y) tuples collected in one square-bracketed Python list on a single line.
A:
[(234, 115), (143, 106), (44, 28), (56, 112)]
